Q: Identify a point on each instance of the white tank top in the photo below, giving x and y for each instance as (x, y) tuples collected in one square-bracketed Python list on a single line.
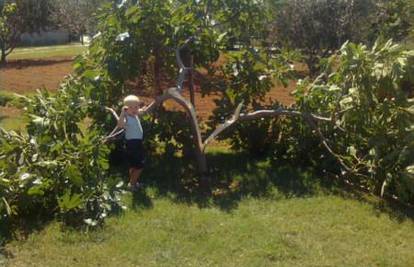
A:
[(133, 128)]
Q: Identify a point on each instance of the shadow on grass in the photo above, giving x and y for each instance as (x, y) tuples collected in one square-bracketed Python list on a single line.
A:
[(26, 63), (234, 176), (141, 200), (26, 226)]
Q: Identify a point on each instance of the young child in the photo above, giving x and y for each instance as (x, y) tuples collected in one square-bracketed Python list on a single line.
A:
[(134, 134)]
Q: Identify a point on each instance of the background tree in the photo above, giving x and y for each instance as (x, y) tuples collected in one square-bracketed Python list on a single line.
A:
[(318, 28), (393, 20), (76, 16), (34, 15), (20, 16), (8, 30)]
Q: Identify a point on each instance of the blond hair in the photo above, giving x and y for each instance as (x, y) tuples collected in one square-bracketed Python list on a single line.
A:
[(131, 99)]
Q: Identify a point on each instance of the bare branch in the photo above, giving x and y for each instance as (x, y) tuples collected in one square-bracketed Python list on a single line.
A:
[(223, 126), (278, 112), (175, 94), (113, 134), (324, 141), (113, 113), (183, 70), (257, 115)]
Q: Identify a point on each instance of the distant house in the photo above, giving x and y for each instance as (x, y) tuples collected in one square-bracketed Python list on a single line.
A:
[(50, 37)]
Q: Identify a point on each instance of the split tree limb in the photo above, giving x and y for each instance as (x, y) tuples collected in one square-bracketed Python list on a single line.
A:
[(223, 126), (257, 115), (183, 70)]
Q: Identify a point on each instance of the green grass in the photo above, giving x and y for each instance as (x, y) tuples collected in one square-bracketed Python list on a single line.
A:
[(11, 118), (17, 123), (47, 52), (313, 231), (275, 216)]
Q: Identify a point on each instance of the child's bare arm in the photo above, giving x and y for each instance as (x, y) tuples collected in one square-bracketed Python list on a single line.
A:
[(144, 110), (121, 120), (113, 113)]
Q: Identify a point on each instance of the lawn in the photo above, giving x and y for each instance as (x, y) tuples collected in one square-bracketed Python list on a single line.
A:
[(43, 52), (311, 231), (276, 216)]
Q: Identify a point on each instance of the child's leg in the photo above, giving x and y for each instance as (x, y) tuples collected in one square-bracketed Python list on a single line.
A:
[(134, 174)]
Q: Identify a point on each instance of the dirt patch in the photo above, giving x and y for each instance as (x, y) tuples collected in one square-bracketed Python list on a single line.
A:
[(205, 105), (25, 76)]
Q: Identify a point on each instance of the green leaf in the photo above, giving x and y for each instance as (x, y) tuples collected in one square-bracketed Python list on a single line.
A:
[(39, 120), (132, 11), (74, 175), (47, 163), (346, 102), (410, 169), (90, 74), (352, 151), (221, 36), (36, 191), (69, 202)]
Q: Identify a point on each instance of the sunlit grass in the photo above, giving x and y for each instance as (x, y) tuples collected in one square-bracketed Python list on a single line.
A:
[(12, 119), (314, 231), (47, 52)]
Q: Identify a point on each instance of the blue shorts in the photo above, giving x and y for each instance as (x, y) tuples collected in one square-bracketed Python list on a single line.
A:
[(135, 153)]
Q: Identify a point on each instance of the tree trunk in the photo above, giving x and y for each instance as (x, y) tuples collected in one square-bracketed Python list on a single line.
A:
[(157, 71), (3, 57), (203, 169), (313, 65), (191, 81)]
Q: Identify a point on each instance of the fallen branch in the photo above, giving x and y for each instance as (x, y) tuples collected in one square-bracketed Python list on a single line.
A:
[(257, 115), (223, 126)]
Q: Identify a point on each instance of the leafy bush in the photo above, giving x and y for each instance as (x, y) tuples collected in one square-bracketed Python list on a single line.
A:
[(56, 168), (367, 135), (371, 131)]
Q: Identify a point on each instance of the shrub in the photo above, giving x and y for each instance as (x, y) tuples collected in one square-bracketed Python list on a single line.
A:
[(56, 168), (371, 131)]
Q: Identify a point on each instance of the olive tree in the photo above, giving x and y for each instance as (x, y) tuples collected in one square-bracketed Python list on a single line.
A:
[(318, 28)]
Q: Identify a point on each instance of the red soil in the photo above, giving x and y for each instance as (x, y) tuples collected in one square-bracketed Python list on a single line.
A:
[(24, 76)]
